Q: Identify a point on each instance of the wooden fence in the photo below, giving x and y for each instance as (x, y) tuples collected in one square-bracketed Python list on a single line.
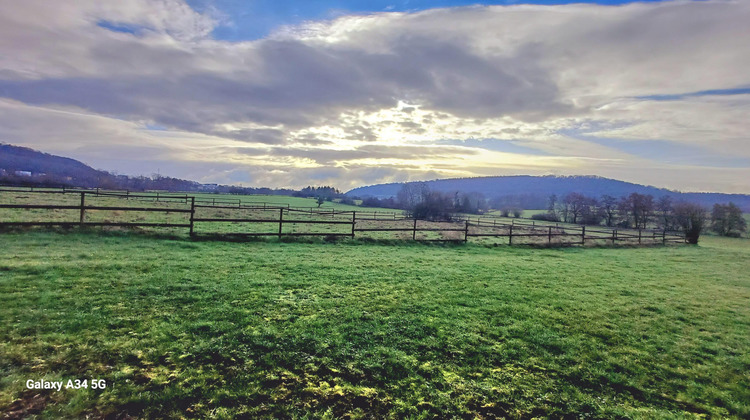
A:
[(271, 220)]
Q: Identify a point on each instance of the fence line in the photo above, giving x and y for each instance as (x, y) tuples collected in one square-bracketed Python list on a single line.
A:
[(471, 228)]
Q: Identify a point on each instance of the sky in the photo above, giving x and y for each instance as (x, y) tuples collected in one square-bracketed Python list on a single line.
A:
[(352, 93)]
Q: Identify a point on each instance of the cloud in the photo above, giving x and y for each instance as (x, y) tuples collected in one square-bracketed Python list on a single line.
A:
[(387, 90)]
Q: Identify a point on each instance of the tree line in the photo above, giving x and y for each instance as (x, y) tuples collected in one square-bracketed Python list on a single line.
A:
[(419, 201), (634, 211), (640, 211)]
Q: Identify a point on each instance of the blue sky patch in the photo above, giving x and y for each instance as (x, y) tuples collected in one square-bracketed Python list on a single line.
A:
[(680, 96), (119, 27), (671, 152), (505, 146), (256, 19)]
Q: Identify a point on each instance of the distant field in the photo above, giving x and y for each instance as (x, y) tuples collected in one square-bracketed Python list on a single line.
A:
[(271, 329), (271, 200)]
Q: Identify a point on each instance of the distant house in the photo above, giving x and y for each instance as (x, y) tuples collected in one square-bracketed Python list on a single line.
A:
[(23, 173), (210, 187)]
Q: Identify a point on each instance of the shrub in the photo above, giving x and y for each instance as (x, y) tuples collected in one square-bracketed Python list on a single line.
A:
[(549, 217)]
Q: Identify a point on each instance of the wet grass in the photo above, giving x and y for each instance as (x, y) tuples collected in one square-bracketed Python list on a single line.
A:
[(316, 330)]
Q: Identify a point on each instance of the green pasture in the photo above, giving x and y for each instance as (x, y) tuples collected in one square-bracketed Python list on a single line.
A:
[(202, 329)]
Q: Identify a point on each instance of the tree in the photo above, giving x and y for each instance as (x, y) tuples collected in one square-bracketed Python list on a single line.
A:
[(664, 207), (691, 218), (472, 202), (434, 206), (321, 200), (552, 203), (727, 220), (412, 194), (637, 207), (608, 206), (592, 212), (576, 206)]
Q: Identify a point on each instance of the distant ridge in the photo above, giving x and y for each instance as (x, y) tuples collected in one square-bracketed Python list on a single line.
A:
[(24, 159), (534, 190), (23, 166)]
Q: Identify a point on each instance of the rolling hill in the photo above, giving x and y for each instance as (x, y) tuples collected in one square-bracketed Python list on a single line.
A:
[(532, 191), (29, 167), (16, 158)]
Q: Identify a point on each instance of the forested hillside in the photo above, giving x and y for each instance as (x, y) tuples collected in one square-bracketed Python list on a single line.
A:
[(532, 192)]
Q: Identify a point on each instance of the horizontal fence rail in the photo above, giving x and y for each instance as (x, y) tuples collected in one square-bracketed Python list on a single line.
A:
[(232, 215)]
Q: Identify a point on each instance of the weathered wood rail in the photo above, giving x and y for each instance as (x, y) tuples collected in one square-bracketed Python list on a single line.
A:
[(355, 223)]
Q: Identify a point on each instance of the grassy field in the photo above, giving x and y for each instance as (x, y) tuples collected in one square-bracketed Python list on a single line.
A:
[(322, 330)]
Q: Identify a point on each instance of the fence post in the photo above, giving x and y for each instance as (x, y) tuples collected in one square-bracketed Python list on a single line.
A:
[(83, 211), (192, 214), (354, 221), (664, 236), (510, 235), (281, 220), (614, 236), (639, 236), (583, 235), (414, 232), (549, 235), (466, 232)]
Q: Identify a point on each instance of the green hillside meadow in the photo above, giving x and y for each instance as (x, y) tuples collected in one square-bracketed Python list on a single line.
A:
[(268, 329)]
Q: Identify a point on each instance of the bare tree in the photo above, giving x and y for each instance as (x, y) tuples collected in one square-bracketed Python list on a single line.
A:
[(434, 206), (411, 194), (664, 207), (576, 204), (552, 203), (727, 220), (608, 206), (592, 212), (637, 207), (691, 218), (472, 202)]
